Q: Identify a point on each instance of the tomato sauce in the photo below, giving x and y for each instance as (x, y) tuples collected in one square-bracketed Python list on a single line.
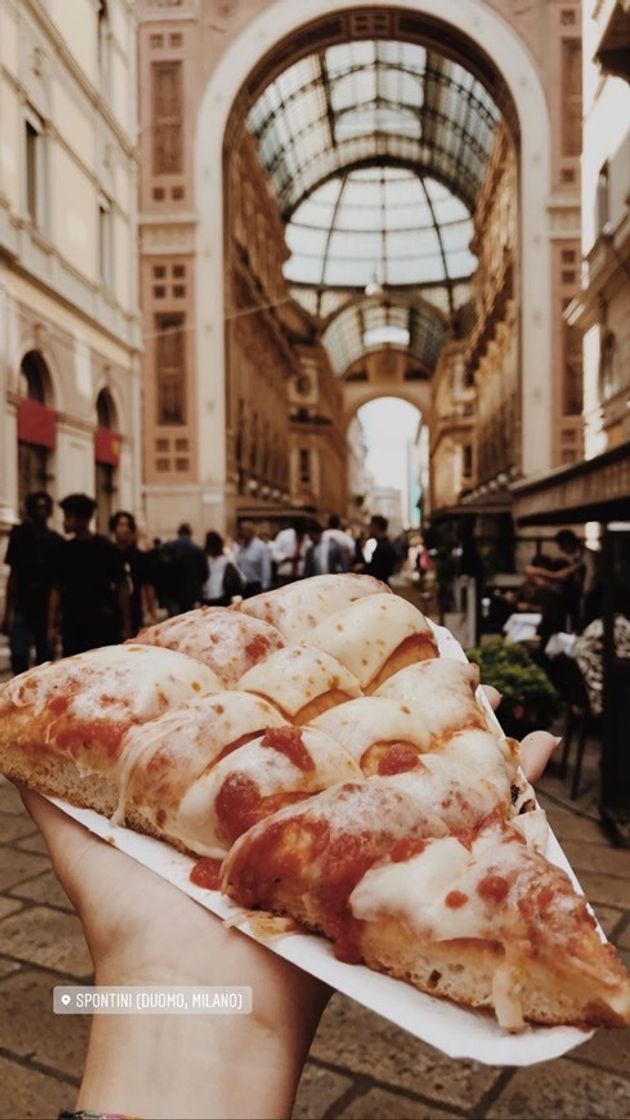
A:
[(288, 741), (493, 888), (456, 899), (207, 873), (398, 758)]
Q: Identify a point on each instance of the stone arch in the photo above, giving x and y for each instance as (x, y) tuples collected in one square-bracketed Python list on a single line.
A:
[(36, 342), (489, 33), (417, 395)]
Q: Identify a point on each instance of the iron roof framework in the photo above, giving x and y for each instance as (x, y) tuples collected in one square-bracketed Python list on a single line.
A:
[(376, 150), (372, 324)]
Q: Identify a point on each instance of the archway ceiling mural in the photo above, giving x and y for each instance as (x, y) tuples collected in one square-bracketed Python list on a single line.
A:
[(371, 324)]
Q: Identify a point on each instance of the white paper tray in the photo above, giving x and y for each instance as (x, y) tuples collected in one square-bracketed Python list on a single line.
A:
[(459, 1033)]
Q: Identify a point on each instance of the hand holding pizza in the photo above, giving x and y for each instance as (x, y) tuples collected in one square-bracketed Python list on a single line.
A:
[(142, 930)]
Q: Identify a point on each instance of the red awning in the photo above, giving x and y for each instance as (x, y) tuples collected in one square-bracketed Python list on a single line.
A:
[(107, 447), (37, 424)]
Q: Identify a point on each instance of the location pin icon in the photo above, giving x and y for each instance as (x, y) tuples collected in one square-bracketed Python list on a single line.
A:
[(65, 999)]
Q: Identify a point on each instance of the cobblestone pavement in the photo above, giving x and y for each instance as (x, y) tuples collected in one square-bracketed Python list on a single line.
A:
[(360, 1065)]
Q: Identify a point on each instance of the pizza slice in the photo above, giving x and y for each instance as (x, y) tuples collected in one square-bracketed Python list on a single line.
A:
[(304, 861), (298, 607), (228, 642), (486, 921), (62, 725), (476, 916)]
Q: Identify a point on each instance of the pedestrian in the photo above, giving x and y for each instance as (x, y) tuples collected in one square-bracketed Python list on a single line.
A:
[(323, 556), (187, 571), (142, 599), (155, 561), (30, 552), (343, 539), (253, 559), (288, 551), (90, 592), (384, 560), (224, 580)]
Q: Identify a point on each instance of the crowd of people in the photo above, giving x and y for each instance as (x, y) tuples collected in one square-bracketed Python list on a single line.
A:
[(66, 594)]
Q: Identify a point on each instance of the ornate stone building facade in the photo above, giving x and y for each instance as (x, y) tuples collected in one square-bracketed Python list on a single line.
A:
[(69, 328), (265, 86), (597, 489)]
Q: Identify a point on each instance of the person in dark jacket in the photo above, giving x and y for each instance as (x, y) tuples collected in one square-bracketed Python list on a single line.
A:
[(189, 571), (384, 560), (90, 590), (30, 553)]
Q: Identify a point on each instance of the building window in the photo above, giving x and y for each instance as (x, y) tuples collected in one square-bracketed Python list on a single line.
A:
[(106, 456), (572, 341), (34, 168), (170, 351), (305, 465), (36, 425), (608, 367), (603, 200), (103, 46), (166, 94), (467, 461), (105, 243), (571, 97)]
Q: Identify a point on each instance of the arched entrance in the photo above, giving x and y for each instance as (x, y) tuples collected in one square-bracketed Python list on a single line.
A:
[(392, 430), (497, 53), (36, 426)]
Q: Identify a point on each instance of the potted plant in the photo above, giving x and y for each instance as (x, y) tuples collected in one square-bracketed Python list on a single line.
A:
[(528, 698)]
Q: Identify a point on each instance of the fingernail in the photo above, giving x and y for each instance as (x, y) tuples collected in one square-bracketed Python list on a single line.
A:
[(557, 739)]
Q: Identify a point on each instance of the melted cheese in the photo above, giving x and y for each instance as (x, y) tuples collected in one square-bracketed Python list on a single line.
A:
[(460, 790), (440, 693), (373, 719), (160, 759), (131, 683), (295, 676), (227, 641), (195, 822), (298, 607), (367, 632), (416, 890)]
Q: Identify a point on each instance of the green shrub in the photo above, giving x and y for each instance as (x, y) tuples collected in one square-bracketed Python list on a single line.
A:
[(510, 669)]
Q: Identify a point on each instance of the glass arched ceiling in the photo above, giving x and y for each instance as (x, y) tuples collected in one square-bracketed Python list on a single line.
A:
[(369, 324), (373, 101), (379, 224)]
